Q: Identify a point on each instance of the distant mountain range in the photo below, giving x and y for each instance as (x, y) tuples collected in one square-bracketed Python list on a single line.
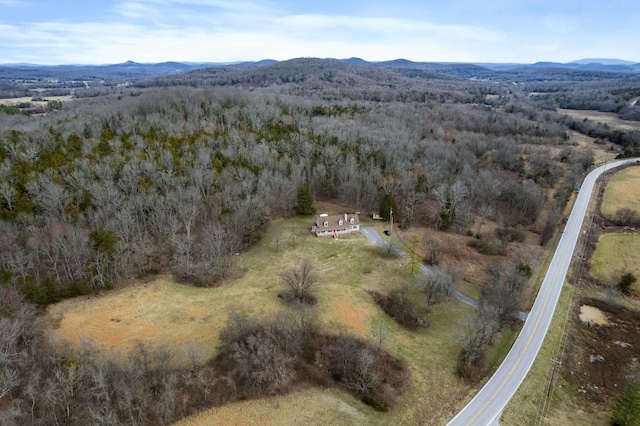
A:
[(130, 70), (163, 68)]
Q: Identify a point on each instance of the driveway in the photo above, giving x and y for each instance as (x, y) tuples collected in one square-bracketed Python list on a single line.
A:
[(373, 236)]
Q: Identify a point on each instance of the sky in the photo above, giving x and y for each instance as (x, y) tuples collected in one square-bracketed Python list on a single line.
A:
[(150, 31)]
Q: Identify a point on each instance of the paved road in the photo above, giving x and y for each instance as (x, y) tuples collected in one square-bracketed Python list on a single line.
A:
[(486, 407)]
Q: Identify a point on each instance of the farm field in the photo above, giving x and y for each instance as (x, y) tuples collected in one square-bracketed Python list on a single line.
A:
[(615, 254), (623, 191), (610, 118), (27, 99)]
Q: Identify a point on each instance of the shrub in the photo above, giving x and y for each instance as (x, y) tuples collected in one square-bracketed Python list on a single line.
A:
[(400, 306), (626, 217), (488, 245), (376, 377), (298, 284), (626, 282)]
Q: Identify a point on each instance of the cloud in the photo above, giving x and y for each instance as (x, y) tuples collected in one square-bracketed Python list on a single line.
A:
[(226, 30)]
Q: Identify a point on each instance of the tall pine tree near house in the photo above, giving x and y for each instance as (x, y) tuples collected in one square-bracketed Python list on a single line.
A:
[(387, 203), (304, 206)]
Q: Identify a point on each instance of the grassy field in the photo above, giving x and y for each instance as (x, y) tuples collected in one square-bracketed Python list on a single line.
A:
[(623, 191), (600, 151), (27, 99), (615, 254), (610, 118), (161, 311)]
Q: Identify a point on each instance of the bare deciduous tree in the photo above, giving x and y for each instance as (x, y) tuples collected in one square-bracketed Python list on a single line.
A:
[(299, 282), (436, 286)]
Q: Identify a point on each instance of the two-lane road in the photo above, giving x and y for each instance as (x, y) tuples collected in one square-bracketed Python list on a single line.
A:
[(486, 407)]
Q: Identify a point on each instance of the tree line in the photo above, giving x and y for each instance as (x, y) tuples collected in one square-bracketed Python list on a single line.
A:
[(184, 178)]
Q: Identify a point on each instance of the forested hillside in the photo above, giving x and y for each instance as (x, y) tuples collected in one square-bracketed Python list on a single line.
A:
[(179, 173)]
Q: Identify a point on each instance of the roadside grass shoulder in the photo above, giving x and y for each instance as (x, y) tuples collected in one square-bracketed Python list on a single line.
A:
[(533, 399), (545, 397)]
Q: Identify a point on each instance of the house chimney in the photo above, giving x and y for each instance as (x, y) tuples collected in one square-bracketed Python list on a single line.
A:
[(345, 218)]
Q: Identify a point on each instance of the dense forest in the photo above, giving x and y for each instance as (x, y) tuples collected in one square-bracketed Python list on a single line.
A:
[(178, 173)]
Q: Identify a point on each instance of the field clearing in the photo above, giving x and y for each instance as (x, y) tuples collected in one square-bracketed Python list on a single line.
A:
[(622, 191), (27, 99), (615, 254), (161, 311), (609, 118), (306, 407), (600, 151)]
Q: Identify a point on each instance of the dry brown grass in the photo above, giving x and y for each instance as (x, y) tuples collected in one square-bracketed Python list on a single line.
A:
[(27, 99), (308, 407), (161, 311), (610, 118), (601, 152)]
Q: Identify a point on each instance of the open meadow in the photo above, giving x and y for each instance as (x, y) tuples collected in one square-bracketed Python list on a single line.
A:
[(609, 118), (28, 99), (160, 311), (616, 254), (622, 192)]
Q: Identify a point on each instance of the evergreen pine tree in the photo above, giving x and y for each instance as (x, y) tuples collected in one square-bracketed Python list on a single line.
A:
[(305, 201), (387, 203)]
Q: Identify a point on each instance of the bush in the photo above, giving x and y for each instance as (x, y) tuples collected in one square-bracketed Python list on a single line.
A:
[(626, 217), (401, 307), (270, 356), (626, 282), (488, 245), (376, 377), (298, 284), (509, 235)]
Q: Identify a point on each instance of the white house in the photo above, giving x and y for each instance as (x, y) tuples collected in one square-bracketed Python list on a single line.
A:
[(335, 224)]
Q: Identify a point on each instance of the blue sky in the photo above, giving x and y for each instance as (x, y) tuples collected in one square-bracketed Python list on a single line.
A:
[(114, 31)]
